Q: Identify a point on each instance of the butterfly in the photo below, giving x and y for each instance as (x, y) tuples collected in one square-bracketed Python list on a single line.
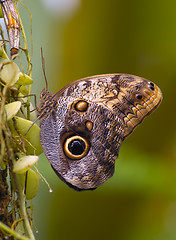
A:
[(84, 124)]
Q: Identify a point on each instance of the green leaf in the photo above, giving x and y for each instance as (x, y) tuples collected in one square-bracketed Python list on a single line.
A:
[(24, 163), (23, 89), (31, 137), (32, 186), (24, 79), (32, 183), (9, 72), (12, 109)]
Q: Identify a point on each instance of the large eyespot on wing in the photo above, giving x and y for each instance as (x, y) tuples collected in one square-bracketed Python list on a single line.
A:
[(76, 147), (87, 144), (106, 106)]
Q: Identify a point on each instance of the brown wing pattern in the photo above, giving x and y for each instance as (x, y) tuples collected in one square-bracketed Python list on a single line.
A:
[(84, 124)]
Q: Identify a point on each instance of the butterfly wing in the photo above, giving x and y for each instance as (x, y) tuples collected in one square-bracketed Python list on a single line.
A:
[(81, 147), (84, 124), (130, 97)]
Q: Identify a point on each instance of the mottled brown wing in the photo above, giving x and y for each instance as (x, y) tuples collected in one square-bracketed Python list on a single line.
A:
[(81, 147), (83, 125), (130, 97)]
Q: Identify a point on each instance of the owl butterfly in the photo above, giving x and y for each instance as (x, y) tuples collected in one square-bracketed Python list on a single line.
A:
[(84, 124)]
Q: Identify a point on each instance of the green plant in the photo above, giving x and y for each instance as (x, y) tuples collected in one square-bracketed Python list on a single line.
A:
[(19, 146)]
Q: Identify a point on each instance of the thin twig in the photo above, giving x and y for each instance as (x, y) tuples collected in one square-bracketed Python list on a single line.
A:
[(26, 51), (23, 210), (12, 232)]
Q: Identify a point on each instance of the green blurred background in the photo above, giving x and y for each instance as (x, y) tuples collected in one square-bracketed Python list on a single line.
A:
[(84, 38)]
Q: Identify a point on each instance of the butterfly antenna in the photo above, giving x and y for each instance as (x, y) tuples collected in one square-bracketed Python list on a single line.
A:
[(43, 67)]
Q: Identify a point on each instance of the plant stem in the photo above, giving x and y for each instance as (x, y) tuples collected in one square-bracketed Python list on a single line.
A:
[(12, 232), (26, 51), (23, 209)]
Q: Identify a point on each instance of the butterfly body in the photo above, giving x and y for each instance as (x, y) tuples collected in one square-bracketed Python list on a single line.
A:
[(84, 124)]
